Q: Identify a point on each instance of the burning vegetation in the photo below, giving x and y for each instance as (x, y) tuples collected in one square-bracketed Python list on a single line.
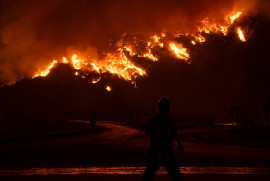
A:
[(119, 60), (72, 55)]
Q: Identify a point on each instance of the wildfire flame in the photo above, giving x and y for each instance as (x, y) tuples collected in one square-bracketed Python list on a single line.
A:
[(47, 70), (150, 56), (120, 62), (241, 34), (96, 80), (179, 51), (235, 16), (118, 65), (108, 88)]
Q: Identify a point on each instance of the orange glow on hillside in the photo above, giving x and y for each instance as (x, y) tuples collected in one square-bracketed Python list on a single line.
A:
[(120, 60)]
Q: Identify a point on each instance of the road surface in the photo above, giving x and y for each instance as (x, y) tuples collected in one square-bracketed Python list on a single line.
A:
[(119, 149)]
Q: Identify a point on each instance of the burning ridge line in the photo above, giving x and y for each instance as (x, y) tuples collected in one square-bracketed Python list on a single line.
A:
[(120, 61)]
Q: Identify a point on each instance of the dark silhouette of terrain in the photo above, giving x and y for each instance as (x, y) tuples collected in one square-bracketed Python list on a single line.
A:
[(35, 103)]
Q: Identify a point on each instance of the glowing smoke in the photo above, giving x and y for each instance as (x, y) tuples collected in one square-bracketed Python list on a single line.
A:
[(35, 32)]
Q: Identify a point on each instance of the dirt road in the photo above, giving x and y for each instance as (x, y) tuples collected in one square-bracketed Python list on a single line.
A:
[(119, 145)]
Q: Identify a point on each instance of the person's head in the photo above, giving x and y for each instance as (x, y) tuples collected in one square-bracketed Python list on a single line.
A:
[(164, 105)]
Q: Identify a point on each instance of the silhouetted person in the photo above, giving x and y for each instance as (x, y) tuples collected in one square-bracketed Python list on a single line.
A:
[(92, 119), (162, 131)]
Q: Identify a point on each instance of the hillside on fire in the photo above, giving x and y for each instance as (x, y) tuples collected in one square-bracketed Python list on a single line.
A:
[(134, 90), (220, 73)]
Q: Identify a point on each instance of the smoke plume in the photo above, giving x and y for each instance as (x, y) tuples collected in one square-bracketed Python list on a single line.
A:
[(32, 33)]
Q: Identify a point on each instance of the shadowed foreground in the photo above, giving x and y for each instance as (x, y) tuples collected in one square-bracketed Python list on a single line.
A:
[(186, 177), (118, 153)]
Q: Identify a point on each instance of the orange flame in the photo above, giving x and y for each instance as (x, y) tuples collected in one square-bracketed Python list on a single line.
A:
[(235, 16), (108, 88), (208, 27), (47, 70), (241, 34), (179, 51), (94, 81), (120, 62), (150, 56)]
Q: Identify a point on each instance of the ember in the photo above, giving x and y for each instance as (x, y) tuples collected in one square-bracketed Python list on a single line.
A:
[(108, 88)]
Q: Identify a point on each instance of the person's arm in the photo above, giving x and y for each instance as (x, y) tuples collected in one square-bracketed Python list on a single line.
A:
[(180, 146)]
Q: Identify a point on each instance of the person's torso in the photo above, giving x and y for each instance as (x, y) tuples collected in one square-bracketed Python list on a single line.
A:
[(162, 133)]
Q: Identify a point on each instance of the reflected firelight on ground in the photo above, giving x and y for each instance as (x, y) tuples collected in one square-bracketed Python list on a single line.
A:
[(134, 171)]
